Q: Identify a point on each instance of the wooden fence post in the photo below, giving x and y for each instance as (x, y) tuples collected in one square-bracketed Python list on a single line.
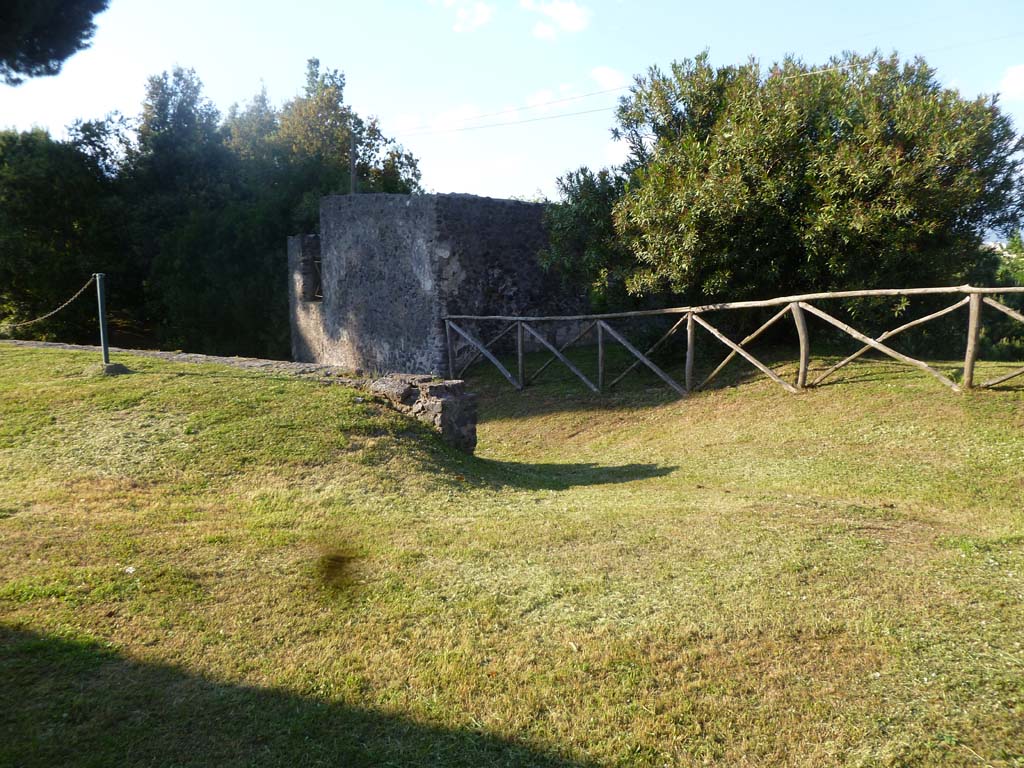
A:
[(600, 358), (641, 357), (888, 335), (1019, 318), (654, 347), (878, 345), (732, 352), (565, 346), (482, 348), (520, 362), (805, 348), (973, 335), (691, 334)]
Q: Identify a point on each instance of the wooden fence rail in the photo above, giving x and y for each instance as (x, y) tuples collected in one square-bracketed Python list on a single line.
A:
[(974, 298)]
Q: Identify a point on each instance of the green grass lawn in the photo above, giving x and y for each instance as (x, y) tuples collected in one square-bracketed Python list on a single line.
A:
[(207, 566)]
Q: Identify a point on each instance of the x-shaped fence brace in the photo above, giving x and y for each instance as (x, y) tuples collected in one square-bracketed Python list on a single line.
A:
[(691, 317)]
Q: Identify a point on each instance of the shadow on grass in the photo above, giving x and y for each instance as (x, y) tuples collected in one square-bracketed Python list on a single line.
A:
[(876, 371), (76, 703), (561, 477)]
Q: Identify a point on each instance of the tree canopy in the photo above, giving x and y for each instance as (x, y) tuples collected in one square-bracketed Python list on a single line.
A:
[(187, 212), (37, 36), (57, 214), (744, 182)]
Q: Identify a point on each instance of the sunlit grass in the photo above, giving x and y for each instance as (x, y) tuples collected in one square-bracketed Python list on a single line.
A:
[(201, 565)]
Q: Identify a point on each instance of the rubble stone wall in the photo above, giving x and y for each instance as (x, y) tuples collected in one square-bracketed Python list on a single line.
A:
[(394, 265)]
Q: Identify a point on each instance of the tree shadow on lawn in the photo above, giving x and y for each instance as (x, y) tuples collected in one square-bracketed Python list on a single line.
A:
[(560, 477), (877, 370), (881, 369), (75, 703)]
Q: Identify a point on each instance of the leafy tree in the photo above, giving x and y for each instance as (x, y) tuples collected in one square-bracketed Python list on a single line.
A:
[(583, 235), (252, 131), (185, 212), (318, 124), (182, 180), (57, 227), (180, 151), (37, 36), (214, 200), (747, 183), (1011, 269), (317, 130), (108, 141)]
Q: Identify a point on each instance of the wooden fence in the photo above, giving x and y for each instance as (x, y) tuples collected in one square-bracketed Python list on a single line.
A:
[(694, 317)]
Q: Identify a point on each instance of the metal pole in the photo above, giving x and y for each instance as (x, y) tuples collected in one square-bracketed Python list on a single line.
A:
[(352, 156), (101, 297)]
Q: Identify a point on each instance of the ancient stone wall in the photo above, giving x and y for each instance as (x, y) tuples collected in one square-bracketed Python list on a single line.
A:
[(490, 265), (306, 316), (393, 265), (379, 261)]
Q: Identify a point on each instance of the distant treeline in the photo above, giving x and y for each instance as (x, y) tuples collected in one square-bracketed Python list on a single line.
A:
[(184, 209), (740, 182)]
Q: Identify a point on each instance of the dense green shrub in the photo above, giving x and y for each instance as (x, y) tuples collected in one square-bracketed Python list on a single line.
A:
[(745, 183)]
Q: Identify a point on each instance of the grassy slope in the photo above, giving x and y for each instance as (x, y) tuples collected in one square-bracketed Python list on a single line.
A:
[(206, 566)]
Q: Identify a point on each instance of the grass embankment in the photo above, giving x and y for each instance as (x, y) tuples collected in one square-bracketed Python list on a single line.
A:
[(202, 566)]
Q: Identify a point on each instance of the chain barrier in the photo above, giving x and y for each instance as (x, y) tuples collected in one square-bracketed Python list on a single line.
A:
[(8, 327)]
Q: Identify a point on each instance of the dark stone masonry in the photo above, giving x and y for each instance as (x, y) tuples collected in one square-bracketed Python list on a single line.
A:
[(371, 292), (444, 405)]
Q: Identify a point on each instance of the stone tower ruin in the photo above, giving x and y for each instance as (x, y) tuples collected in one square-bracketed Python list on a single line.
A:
[(371, 291)]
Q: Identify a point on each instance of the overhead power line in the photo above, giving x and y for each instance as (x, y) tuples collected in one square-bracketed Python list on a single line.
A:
[(511, 122), (581, 112), (538, 105)]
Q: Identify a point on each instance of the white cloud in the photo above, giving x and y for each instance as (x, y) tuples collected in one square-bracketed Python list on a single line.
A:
[(468, 18), (1012, 85), (469, 14), (560, 16), (608, 78), (544, 31)]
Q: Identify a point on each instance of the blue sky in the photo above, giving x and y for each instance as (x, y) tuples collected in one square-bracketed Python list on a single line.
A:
[(429, 67)]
